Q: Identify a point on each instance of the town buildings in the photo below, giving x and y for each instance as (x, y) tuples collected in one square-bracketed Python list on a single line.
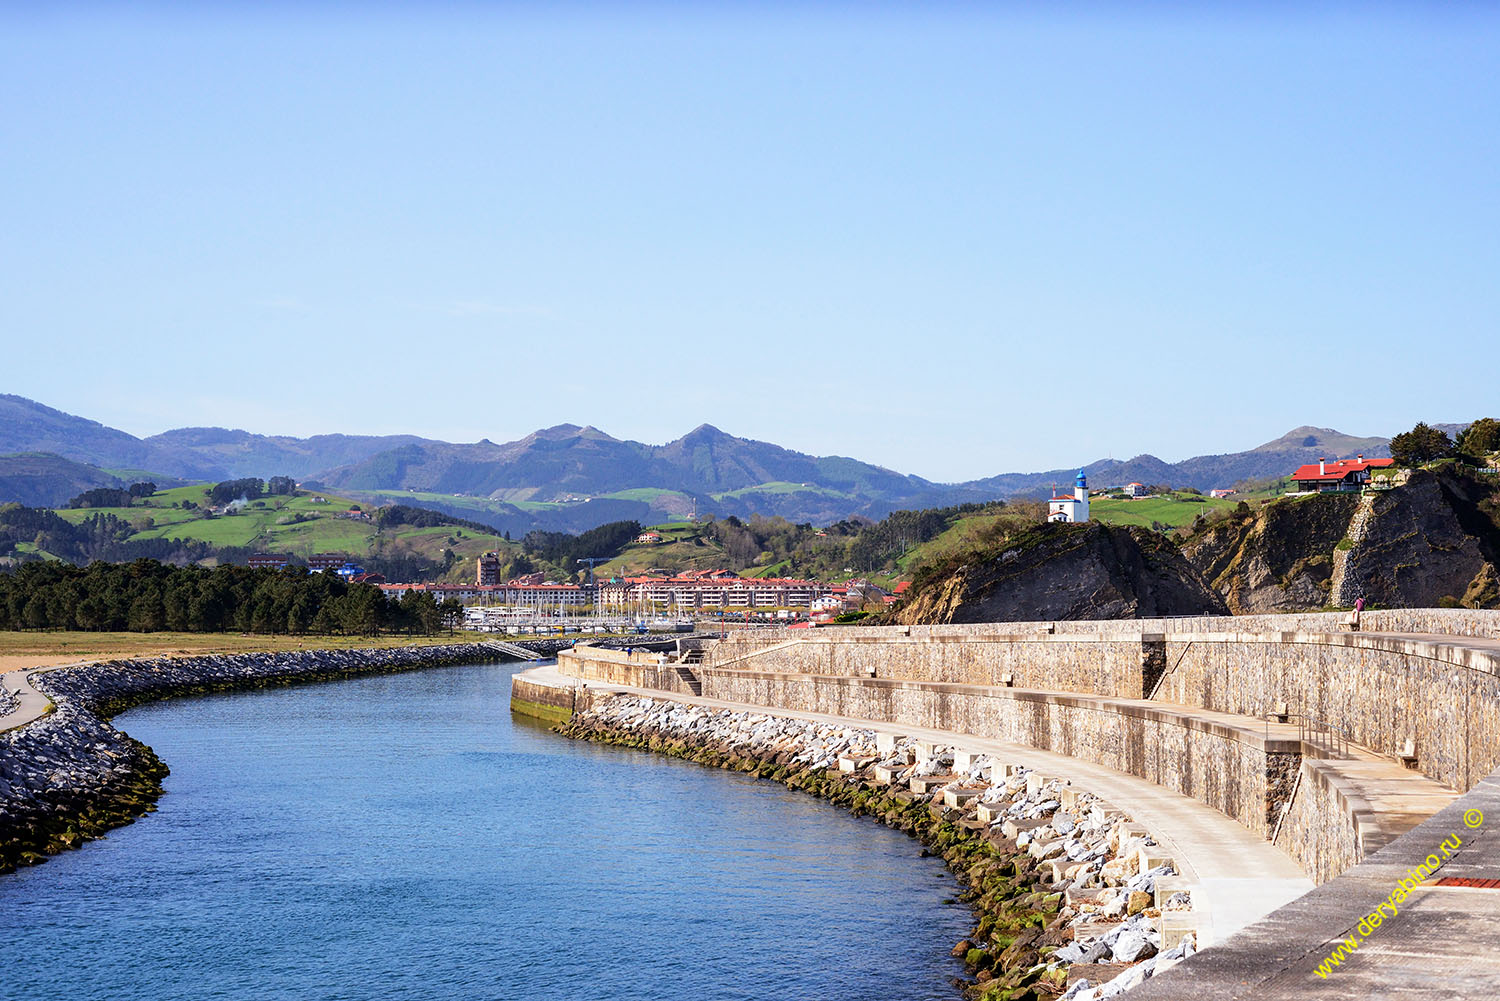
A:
[(717, 589)]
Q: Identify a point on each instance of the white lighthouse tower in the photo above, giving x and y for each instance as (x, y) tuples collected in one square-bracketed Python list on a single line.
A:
[(1074, 507)]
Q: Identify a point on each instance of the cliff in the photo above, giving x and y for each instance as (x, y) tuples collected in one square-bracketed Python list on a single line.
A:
[(1059, 571), (1434, 541), (1277, 558)]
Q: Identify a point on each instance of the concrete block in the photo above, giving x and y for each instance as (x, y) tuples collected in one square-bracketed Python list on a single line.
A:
[(885, 743), (1004, 770), (1069, 798), (849, 764), (1011, 828), (959, 796), (930, 783), (1168, 885), (1045, 849), (1074, 896), (1035, 781), (991, 812), (1124, 831), (887, 774), (963, 760), (1153, 857), (926, 750), (1173, 926)]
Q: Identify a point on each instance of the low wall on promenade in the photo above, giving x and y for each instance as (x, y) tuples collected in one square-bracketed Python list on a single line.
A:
[(1386, 693), (1117, 665), (1393, 694), (1327, 826), (1237, 771), (637, 669)]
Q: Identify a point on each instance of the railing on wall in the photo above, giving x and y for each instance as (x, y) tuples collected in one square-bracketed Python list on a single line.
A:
[(1322, 734)]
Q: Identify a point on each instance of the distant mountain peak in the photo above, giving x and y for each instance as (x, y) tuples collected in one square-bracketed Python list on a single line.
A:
[(1330, 439)]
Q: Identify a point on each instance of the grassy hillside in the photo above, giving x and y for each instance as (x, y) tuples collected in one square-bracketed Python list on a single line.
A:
[(298, 525), (1173, 510)]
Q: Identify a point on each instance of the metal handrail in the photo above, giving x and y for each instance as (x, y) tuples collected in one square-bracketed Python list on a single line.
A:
[(1309, 727)]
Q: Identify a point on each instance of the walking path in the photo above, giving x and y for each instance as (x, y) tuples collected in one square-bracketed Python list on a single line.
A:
[(1241, 877), (32, 704)]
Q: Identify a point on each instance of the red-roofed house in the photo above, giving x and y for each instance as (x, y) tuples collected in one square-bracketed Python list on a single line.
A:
[(1345, 474)]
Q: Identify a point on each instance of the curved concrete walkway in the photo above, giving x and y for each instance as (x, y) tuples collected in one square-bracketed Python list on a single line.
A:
[(1240, 877), (32, 703)]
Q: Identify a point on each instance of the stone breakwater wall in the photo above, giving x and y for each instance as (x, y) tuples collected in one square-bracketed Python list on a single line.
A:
[(1070, 898), (1403, 696), (1327, 826), (1110, 665), (1237, 771), (69, 776), (8, 701), (636, 668), (1397, 696)]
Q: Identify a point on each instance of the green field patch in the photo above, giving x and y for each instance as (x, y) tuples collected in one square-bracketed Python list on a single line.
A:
[(1173, 510), (780, 487)]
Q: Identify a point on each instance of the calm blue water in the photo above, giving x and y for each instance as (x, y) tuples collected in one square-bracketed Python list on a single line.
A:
[(404, 837)]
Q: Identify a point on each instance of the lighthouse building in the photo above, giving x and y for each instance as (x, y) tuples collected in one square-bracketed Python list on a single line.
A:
[(1074, 507)]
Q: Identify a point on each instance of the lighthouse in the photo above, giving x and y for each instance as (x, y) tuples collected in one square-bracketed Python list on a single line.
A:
[(1072, 508)]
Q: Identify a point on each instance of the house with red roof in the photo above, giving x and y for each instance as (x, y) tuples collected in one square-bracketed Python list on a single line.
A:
[(1342, 475)]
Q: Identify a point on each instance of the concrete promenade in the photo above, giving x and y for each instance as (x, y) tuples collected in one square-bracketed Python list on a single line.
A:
[(32, 704), (1241, 877)]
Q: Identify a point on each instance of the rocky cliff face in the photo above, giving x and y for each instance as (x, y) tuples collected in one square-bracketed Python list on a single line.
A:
[(1433, 541), (1088, 571), (1277, 558)]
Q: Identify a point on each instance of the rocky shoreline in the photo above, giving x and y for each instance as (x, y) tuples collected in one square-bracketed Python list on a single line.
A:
[(69, 776), (1067, 893)]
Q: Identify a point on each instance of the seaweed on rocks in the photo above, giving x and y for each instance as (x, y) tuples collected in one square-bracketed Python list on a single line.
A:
[(1029, 941)]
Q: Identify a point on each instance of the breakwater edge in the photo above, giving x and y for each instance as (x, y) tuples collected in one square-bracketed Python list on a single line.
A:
[(1070, 898), (69, 776)]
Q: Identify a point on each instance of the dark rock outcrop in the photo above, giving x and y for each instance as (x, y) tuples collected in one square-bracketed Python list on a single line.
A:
[(1276, 558), (1058, 571), (1433, 541)]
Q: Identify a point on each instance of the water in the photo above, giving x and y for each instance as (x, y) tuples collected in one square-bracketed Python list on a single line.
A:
[(405, 837)]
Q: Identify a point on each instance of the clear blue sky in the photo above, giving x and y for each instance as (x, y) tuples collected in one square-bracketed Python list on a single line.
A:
[(954, 239)]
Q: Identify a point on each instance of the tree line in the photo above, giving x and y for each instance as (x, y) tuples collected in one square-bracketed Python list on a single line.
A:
[(1474, 445), (148, 596)]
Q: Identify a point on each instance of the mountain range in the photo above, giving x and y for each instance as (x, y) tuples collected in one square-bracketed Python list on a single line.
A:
[(572, 477)]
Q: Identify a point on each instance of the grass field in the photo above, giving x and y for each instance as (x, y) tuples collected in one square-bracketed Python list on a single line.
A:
[(780, 487), (26, 649), (1174, 510)]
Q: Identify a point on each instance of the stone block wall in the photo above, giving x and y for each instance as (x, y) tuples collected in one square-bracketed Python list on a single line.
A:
[(1224, 767), (1112, 665), (639, 669), (1382, 691), (1326, 827)]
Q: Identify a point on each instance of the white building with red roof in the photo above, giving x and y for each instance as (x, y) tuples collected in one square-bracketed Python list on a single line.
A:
[(1072, 507), (1344, 474)]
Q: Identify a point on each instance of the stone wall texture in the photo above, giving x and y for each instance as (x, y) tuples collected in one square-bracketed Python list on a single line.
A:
[(1100, 666), (1385, 693), (1223, 767), (1327, 828)]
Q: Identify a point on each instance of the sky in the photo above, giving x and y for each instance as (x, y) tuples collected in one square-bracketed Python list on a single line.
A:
[(951, 239)]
